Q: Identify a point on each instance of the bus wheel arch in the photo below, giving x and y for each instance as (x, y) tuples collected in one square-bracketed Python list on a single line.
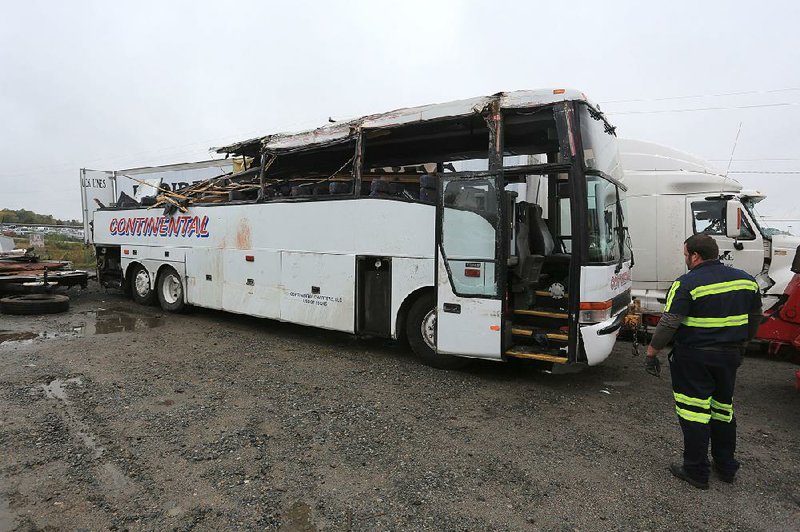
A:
[(138, 279), (170, 289), (402, 313)]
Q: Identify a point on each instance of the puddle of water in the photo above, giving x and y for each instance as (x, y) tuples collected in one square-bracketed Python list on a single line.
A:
[(107, 321), (55, 390), (12, 336), (115, 477), (100, 321), (90, 443), (6, 517), (298, 519)]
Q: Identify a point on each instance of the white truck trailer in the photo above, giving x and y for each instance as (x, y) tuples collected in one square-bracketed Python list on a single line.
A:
[(673, 195)]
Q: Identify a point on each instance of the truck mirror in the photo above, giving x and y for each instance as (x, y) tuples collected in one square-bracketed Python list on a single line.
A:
[(733, 219)]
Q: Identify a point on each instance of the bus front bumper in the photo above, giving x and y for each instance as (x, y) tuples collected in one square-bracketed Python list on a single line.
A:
[(599, 338)]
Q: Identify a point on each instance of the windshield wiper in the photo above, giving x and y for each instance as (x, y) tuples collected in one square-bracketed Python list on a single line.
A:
[(598, 115), (622, 230)]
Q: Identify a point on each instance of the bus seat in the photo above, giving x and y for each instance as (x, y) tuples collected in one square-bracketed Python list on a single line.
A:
[(337, 187), (320, 189), (527, 269), (301, 190), (427, 188), (380, 189), (541, 240), (427, 181)]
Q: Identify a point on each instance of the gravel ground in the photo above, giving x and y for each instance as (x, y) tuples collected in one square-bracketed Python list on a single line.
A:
[(115, 416)]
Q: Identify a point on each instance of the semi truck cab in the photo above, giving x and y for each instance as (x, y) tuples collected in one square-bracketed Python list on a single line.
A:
[(673, 195)]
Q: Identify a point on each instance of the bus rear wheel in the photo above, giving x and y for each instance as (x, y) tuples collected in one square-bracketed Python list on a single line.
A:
[(421, 335), (141, 291), (170, 290)]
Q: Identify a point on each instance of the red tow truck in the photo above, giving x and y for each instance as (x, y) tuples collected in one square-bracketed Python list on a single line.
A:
[(780, 328)]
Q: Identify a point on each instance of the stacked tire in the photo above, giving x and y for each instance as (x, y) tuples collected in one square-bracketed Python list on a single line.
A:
[(34, 304)]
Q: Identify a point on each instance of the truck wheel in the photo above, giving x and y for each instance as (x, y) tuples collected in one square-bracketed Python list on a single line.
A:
[(170, 290), (421, 334), (141, 290), (34, 304)]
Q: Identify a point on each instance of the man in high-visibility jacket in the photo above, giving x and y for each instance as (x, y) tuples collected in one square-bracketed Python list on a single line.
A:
[(710, 314)]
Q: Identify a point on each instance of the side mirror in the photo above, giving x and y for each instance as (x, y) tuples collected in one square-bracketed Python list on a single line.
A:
[(733, 219)]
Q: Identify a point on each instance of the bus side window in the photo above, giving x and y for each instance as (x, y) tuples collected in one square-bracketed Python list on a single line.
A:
[(319, 173), (407, 159)]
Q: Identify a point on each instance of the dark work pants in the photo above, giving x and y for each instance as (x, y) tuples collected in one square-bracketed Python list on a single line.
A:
[(702, 384)]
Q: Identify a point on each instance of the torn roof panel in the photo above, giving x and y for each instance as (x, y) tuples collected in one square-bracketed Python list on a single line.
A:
[(340, 131)]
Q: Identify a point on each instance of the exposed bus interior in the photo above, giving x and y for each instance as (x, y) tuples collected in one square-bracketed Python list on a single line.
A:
[(536, 210), (540, 259), (408, 162)]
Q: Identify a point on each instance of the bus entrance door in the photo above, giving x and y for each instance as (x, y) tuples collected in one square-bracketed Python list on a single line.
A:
[(469, 295)]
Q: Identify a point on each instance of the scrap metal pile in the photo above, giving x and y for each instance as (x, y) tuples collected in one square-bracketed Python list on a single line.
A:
[(254, 182), (218, 189), (25, 271)]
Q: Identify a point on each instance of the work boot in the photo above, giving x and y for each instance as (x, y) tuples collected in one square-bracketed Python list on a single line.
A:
[(680, 472), (724, 476)]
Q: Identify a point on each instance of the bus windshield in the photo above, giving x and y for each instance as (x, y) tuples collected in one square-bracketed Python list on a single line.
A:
[(606, 206), (606, 213), (599, 143)]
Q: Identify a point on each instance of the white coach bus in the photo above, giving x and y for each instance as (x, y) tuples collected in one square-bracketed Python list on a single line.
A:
[(489, 228)]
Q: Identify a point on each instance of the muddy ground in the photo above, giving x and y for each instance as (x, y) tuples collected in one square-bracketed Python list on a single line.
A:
[(115, 416)]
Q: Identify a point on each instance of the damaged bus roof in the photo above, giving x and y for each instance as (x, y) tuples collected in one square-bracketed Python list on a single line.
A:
[(340, 131)]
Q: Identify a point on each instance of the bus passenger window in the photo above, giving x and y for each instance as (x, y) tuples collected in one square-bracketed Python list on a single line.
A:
[(405, 162)]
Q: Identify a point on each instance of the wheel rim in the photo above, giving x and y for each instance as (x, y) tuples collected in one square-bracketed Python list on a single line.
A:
[(428, 329), (171, 289), (142, 283)]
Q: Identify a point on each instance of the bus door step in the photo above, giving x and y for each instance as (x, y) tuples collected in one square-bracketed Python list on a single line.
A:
[(517, 352), (542, 314), (519, 330)]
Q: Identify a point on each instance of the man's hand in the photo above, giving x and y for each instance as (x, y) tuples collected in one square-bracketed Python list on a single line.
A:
[(651, 363)]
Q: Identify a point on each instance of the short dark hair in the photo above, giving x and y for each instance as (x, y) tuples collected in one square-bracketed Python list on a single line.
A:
[(703, 245)]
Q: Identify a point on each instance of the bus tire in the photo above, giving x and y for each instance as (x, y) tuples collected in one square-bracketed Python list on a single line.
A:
[(141, 291), (169, 288), (421, 334)]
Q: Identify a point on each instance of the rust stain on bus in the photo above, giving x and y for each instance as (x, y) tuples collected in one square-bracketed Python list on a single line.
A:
[(243, 234)]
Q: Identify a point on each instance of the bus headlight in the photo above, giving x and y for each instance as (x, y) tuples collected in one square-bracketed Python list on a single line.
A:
[(594, 312)]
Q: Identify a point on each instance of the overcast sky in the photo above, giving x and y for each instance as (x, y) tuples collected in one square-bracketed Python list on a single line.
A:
[(112, 85)]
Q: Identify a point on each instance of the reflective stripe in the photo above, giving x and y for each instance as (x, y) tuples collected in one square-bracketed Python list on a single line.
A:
[(690, 415), (727, 411), (671, 295), (721, 288), (725, 418), (727, 321), (721, 406), (692, 401)]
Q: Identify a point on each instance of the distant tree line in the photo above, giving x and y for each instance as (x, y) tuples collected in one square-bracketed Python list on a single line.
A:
[(22, 216)]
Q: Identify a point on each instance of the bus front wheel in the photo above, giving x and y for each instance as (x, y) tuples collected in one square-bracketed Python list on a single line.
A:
[(421, 334)]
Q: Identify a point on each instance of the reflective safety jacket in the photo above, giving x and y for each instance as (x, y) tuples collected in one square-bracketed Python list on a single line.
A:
[(715, 301)]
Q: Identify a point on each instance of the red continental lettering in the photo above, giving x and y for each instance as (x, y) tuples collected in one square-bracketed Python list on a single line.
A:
[(203, 233)]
